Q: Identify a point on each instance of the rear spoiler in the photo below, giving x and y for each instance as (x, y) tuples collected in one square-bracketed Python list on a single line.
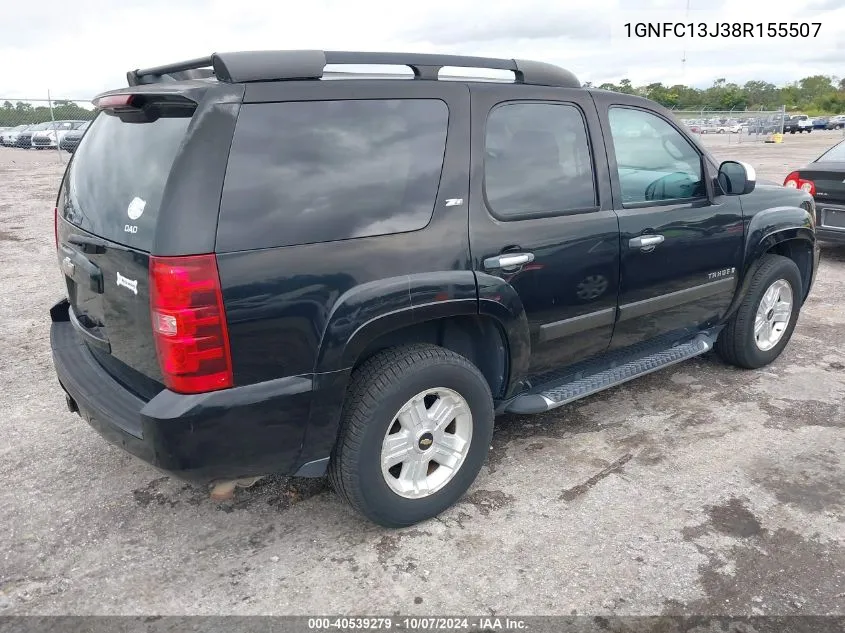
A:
[(246, 66)]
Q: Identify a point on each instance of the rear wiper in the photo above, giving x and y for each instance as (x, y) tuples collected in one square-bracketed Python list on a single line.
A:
[(90, 245)]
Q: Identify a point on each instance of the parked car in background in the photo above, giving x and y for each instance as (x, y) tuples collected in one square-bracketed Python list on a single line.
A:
[(53, 135), (764, 126), (836, 122), (824, 179), (730, 127), (797, 123), (70, 141), (25, 136), (231, 312), (9, 137), (820, 123), (721, 127)]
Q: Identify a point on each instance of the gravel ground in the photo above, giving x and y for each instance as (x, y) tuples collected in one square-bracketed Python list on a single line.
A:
[(699, 489)]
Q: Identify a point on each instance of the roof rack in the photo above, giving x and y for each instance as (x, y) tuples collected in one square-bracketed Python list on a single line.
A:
[(246, 66)]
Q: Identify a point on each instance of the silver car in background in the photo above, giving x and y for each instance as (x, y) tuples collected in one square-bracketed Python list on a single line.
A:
[(54, 132), (9, 137)]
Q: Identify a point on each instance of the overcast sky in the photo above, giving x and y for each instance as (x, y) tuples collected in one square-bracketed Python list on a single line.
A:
[(78, 48)]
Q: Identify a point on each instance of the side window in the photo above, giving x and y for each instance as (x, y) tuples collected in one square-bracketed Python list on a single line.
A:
[(537, 160), (315, 171), (654, 161)]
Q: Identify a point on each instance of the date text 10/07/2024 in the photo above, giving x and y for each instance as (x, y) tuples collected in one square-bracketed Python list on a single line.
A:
[(722, 29), (417, 623)]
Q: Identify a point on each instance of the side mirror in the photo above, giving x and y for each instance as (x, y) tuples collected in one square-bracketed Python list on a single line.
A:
[(737, 178)]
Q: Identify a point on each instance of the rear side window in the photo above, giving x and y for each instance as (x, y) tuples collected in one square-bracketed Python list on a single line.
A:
[(537, 160), (317, 171), (116, 179)]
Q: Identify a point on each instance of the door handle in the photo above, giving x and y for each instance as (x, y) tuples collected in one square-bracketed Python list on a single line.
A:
[(646, 241), (508, 260)]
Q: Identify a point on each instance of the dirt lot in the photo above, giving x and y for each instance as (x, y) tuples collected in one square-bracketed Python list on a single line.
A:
[(698, 489)]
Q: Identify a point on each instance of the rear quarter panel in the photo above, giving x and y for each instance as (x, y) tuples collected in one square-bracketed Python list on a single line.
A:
[(293, 310)]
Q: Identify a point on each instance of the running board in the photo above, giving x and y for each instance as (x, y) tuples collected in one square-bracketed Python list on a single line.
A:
[(593, 378)]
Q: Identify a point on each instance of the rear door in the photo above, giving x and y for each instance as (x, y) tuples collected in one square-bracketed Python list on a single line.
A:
[(110, 213), (541, 218)]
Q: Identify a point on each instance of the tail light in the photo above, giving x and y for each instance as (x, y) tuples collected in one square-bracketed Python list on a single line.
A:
[(189, 323), (794, 181), (114, 102)]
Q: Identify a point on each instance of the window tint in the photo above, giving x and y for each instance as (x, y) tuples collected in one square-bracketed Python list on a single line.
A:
[(537, 160), (653, 160), (316, 171), (116, 179)]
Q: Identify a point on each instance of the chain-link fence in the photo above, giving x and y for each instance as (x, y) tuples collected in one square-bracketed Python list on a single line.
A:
[(43, 124), (738, 126)]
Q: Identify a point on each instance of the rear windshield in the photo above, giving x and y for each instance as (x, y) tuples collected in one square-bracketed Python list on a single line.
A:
[(835, 153), (116, 179)]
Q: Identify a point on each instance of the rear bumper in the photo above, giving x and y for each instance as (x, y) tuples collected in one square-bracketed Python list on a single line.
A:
[(829, 230), (239, 432)]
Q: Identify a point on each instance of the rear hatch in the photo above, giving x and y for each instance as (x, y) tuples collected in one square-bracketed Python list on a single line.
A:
[(107, 212)]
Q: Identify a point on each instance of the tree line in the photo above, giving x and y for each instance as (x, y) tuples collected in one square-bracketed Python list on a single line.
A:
[(20, 113), (818, 94)]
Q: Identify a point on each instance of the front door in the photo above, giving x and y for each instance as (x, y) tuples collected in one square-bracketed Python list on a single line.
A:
[(541, 219), (680, 241)]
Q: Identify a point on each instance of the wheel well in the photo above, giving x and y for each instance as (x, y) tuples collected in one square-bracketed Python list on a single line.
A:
[(801, 252), (478, 339)]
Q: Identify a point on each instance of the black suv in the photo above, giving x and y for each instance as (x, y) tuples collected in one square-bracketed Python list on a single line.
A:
[(272, 268)]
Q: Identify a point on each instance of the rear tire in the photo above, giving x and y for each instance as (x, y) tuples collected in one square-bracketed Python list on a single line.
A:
[(757, 333), (379, 412)]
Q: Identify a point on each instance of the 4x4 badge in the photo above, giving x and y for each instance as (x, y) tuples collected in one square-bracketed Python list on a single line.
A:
[(454, 202)]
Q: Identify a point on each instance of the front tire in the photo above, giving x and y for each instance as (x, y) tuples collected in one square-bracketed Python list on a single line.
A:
[(415, 430), (761, 328)]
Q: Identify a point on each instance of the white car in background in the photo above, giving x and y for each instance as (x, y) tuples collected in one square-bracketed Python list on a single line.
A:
[(9, 137), (52, 136), (730, 127)]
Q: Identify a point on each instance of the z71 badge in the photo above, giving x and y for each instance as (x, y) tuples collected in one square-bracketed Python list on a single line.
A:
[(727, 272)]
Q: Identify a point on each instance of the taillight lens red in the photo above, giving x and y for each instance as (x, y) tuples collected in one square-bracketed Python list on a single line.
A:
[(794, 181), (189, 323)]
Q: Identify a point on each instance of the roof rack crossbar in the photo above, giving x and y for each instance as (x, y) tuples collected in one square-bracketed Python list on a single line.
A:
[(246, 66)]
